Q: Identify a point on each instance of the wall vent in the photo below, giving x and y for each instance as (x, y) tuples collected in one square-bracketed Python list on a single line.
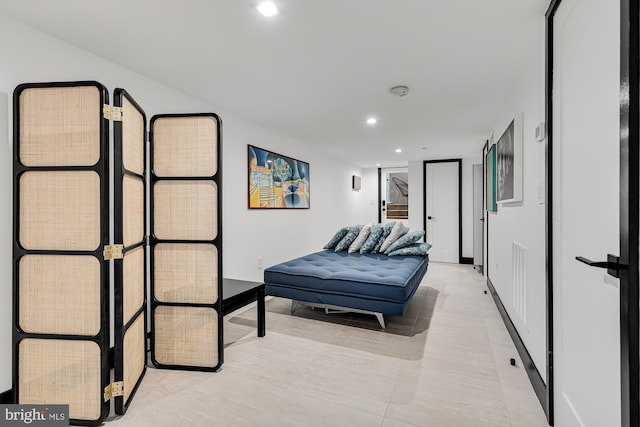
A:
[(519, 280)]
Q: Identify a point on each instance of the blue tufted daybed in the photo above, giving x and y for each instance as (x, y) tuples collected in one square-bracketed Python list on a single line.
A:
[(372, 283)]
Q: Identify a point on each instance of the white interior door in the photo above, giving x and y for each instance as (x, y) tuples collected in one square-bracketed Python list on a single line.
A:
[(585, 219), (442, 211)]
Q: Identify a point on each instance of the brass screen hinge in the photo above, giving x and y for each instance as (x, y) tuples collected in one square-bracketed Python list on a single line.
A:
[(113, 252), (114, 389), (112, 113)]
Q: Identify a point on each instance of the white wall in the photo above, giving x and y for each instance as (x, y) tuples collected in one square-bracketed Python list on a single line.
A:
[(277, 235), (369, 195), (31, 56), (525, 222)]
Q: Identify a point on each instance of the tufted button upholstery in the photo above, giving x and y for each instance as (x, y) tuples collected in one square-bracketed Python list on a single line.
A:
[(372, 276)]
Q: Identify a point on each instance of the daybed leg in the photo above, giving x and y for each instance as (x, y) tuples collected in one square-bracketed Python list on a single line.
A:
[(380, 318), (294, 306)]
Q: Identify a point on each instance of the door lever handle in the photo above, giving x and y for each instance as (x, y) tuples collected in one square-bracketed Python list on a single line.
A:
[(612, 264)]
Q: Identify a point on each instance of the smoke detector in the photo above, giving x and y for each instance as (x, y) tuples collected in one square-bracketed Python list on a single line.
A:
[(399, 91)]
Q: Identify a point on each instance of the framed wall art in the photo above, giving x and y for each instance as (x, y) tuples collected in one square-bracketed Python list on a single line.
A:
[(509, 163), (490, 180), (277, 181)]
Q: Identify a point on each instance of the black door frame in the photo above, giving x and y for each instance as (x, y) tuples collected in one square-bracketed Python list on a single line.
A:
[(629, 211), (424, 200)]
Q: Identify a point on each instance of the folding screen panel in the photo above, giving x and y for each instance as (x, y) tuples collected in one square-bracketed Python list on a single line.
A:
[(61, 313), (130, 167), (186, 242), (61, 284)]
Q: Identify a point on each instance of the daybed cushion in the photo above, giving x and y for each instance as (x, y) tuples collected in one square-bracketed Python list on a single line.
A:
[(347, 240), (366, 276), (374, 236), (362, 237), (397, 231), (337, 237), (415, 249), (386, 230), (407, 240)]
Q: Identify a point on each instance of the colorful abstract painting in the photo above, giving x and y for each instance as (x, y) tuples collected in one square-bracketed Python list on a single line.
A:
[(277, 181)]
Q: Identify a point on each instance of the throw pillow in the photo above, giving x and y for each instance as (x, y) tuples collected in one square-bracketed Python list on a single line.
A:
[(417, 249), (407, 240), (374, 236), (337, 237), (386, 230), (398, 231), (362, 237), (348, 239)]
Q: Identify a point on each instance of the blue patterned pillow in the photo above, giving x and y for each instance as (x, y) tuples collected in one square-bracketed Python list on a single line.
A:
[(374, 236), (407, 240), (417, 249), (348, 239), (337, 237), (386, 230)]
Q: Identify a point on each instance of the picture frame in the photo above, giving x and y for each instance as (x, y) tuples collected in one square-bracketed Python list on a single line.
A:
[(277, 181), (492, 205), (509, 163)]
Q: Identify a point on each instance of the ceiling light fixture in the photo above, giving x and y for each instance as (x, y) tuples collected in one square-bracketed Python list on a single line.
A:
[(372, 121), (267, 9), (399, 91), (398, 150), (377, 164)]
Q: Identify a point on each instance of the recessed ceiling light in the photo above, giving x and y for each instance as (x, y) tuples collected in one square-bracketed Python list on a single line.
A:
[(398, 150), (267, 9), (377, 164), (372, 121)]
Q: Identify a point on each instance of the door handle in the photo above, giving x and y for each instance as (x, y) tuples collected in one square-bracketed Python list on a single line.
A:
[(612, 264), (432, 218)]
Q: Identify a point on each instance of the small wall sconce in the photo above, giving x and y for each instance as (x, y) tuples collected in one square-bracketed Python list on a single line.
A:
[(356, 183)]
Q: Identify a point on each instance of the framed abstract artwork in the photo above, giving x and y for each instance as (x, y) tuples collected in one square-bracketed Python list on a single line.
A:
[(277, 181), (490, 180), (509, 163)]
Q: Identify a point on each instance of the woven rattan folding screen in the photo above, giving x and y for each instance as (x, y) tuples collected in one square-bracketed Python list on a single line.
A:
[(186, 278), (61, 284), (62, 251), (130, 229)]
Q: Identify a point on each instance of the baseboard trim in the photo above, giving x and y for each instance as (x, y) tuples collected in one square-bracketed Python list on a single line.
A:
[(466, 260), (6, 397), (535, 378)]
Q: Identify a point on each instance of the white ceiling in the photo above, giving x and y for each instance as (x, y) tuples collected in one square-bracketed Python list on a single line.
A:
[(317, 70)]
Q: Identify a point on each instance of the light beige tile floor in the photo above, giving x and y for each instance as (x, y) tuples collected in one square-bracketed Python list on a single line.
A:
[(444, 363)]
